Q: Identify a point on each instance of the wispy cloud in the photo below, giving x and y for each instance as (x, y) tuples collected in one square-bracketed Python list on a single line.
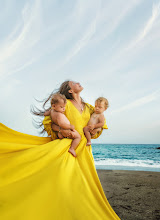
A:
[(129, 53), (148, 26), (16, 50), (19, 49), (80, 44), (139, 102), (112, 47), (102, 18), (111, 16)]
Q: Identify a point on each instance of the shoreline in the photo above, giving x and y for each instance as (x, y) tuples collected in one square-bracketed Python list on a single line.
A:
[(127, 168), (134, 195)]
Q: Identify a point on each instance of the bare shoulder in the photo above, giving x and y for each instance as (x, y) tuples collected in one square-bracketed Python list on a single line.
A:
[(93, 115), (60, 116), (101, 117), (55, 114)]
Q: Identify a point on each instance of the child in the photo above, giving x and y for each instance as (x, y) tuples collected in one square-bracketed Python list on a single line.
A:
[(97, 119), (58, 103)]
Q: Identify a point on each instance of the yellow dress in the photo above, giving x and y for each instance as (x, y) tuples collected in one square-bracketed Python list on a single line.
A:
[(41, 180)]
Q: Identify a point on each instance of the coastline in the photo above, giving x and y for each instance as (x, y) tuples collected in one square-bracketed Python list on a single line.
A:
[(134, 195)]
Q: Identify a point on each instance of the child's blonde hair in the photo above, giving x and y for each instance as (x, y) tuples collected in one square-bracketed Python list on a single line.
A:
[(102, 99), (57, 97)]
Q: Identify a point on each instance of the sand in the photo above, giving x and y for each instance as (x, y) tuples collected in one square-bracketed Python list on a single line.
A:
[(134, 195)]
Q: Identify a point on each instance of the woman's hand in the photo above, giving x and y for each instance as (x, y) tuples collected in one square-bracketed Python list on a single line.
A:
[(66, 133), (93, 132), (72, 127), (91, 127)]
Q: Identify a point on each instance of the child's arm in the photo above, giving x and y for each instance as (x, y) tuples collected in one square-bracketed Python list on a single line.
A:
[(47, 113)]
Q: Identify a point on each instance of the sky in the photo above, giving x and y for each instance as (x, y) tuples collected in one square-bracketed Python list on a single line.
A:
[(111, 47)]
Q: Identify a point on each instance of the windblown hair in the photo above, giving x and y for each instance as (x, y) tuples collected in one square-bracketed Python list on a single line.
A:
[(64, 90), (102, 99)]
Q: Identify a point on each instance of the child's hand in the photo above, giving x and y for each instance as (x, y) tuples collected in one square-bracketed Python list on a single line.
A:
[(91, 127), (93, 132), (72, 127), (47, 113)]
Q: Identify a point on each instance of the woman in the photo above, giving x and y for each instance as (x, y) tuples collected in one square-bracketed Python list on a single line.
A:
[(40, 180)]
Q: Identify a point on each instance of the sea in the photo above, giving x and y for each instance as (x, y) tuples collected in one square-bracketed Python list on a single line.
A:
[(138, 157)]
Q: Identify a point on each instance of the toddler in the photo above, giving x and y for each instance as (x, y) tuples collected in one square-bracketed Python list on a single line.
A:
[(97, 119), (58, 103)]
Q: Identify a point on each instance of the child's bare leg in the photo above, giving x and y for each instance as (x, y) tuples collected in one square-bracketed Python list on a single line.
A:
[(88, 135), (75, 142)]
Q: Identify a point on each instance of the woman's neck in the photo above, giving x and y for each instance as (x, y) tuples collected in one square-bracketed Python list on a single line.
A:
[(76, 97), (77, 102)]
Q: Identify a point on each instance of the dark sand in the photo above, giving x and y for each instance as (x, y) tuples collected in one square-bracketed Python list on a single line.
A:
[(134, 195)]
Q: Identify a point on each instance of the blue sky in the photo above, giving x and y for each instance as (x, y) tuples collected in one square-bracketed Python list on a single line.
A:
[(111, 47)]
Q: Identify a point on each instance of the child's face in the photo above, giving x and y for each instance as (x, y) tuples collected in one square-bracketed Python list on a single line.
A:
[(99, 107), (60, 106)]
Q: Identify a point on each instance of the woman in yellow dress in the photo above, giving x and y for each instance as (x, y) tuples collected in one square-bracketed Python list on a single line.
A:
[(41, 180)]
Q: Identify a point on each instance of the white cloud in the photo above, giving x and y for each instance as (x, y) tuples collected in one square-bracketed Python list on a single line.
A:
[(80, 44), (111, 16), (148, 26), (85, 41), (139, 102), (16, 51)]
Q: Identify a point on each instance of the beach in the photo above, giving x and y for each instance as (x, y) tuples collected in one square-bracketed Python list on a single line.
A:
[(134, 195)]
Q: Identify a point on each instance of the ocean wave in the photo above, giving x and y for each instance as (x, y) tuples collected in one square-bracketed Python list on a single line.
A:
[(128, 163)]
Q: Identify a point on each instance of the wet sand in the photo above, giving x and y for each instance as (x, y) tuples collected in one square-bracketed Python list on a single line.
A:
[(134, 195)]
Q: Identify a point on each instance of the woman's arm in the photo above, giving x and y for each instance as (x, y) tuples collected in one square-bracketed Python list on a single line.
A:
[(64, 132)]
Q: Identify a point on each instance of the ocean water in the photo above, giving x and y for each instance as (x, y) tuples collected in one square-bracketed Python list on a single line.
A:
[(141, 157)]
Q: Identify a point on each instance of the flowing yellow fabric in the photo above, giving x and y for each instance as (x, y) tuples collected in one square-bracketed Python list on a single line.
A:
[(41, 180)]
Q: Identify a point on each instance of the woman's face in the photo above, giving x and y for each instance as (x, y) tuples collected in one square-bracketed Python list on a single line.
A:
[(75, 87)]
